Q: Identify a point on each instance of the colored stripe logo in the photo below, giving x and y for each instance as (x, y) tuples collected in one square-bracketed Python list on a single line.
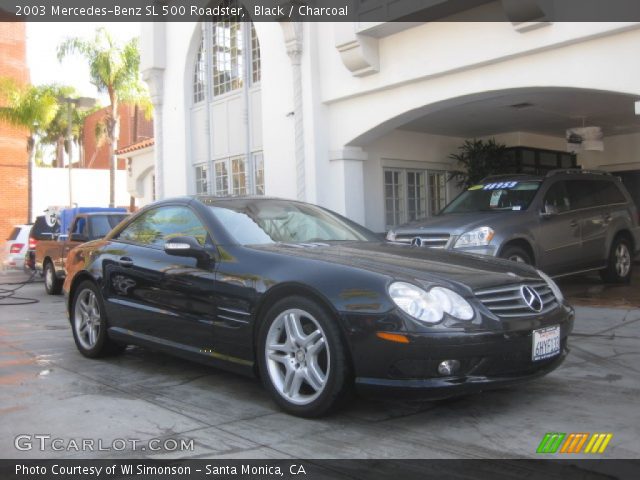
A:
[(555, 442)]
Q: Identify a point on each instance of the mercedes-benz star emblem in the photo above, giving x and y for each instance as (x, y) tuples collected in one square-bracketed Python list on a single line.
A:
[(531, 298), (416, 242)]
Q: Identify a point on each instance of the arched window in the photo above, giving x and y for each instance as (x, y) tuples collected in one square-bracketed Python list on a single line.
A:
[(227, 71)]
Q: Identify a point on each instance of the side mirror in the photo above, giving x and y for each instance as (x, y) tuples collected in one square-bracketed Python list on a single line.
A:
[(78, 237), (187, 247)]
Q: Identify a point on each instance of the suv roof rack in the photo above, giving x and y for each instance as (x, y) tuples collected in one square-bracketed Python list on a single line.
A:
[(509, 175), (576, 170)]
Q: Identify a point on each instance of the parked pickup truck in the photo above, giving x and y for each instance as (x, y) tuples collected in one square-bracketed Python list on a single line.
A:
[(80, 225)]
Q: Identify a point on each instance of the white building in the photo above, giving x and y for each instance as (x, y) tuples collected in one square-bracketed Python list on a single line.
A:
[(361, 118)]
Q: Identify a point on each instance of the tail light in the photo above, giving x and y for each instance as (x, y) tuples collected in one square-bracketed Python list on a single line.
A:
[(16, 247), (32, 243)]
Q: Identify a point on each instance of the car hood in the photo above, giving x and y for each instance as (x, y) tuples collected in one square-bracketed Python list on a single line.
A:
[(455, 223), (404, 262)]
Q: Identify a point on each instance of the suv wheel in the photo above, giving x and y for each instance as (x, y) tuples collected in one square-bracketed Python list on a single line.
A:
[(52, 284), (619, 263), (516, 254), (302, 358)]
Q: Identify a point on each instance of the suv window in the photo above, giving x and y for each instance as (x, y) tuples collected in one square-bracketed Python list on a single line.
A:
[(608, 193), (156, 226), (14, 234), (557, 199), (582, 193)]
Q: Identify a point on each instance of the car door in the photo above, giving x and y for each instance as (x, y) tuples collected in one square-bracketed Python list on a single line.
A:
[(559, 230), (161, 297), (584, 195)]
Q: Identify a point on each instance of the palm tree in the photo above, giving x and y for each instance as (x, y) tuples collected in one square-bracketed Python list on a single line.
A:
[(32, 108), (114, 69)]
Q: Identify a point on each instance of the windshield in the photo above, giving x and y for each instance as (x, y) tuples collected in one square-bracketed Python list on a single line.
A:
[(258, 222), (495, 197)]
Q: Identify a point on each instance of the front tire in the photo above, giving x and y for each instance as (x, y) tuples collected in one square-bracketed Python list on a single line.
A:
[(516, 254), (619, 263), (89, 323), (52, 284), (302, 358)]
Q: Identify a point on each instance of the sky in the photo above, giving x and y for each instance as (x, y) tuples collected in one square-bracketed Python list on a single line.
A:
[(43, 40)]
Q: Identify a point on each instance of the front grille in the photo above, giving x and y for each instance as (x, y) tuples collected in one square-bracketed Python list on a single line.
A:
[(508, 301), (436, 240)]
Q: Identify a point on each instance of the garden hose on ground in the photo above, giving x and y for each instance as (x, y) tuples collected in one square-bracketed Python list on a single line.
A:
[(8, 295)]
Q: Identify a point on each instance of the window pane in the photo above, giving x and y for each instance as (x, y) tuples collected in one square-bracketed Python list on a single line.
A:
[(437, 192), (202, 180), (557, 199), (258, 163), (156, 226), (199, 75), (239, 177), (255, 56), (581, 193), (227, 53), (222, 178)]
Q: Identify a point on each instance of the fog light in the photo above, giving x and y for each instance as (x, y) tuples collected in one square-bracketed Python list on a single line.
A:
[(448, 367)]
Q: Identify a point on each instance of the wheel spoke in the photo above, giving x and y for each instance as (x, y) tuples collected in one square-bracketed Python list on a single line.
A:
[(297, 378), (294, 329), (281, 347), (314, 376), (311, 338), (280, 358), (317, 346)]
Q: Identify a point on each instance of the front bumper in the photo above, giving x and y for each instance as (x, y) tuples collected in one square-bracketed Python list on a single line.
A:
[(440, 388), (487, 359)]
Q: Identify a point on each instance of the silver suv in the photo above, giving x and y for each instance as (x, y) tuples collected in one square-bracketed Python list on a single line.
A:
[(567, 222)]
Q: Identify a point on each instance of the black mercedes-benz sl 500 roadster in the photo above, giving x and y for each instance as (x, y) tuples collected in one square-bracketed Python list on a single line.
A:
[(312, 303)]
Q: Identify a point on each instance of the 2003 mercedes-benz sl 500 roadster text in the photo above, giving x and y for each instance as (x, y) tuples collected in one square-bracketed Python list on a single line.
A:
[(312, 302)]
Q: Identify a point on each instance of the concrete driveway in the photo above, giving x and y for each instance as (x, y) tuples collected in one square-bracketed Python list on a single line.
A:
[(48, 388)]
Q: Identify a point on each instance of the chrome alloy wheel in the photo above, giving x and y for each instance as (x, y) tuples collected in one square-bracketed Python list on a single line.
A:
[(86, 318), (297, 356), (623, 260)]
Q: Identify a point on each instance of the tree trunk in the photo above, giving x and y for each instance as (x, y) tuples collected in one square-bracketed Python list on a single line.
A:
[(114, 126), (31, 151)]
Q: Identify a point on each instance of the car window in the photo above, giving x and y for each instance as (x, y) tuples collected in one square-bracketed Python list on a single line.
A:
[(263, 222), (155, 227), (103, 224), (608, 193), (557, 199), (79, 226), (14, 234), (582, 193)]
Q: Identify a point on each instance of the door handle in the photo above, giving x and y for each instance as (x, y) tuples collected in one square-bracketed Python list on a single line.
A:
[(125, 262), (573, 223)]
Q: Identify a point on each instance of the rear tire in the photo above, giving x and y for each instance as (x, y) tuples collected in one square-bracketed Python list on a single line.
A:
[(52, 284), (619, 263), (302, 358), (89, 323), (516, 254)]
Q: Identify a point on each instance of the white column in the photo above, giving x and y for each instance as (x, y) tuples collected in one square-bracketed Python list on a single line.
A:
[(347, 182)]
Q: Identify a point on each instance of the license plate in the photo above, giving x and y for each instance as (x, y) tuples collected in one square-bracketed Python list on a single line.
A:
[(546, 343)]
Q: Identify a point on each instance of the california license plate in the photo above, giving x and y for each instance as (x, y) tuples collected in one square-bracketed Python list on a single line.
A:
[(546, 343)]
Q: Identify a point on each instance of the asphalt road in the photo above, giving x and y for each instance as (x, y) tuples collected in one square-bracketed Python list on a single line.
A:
[(47, 387)]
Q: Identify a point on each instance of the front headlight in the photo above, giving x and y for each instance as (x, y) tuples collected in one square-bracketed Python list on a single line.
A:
[(391, 236), (429, 306), (475, 238), (553, 286)]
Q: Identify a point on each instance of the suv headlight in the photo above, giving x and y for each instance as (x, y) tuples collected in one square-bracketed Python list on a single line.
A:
[(475, 238), (429, 306), (553, 286), (391, 236)]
